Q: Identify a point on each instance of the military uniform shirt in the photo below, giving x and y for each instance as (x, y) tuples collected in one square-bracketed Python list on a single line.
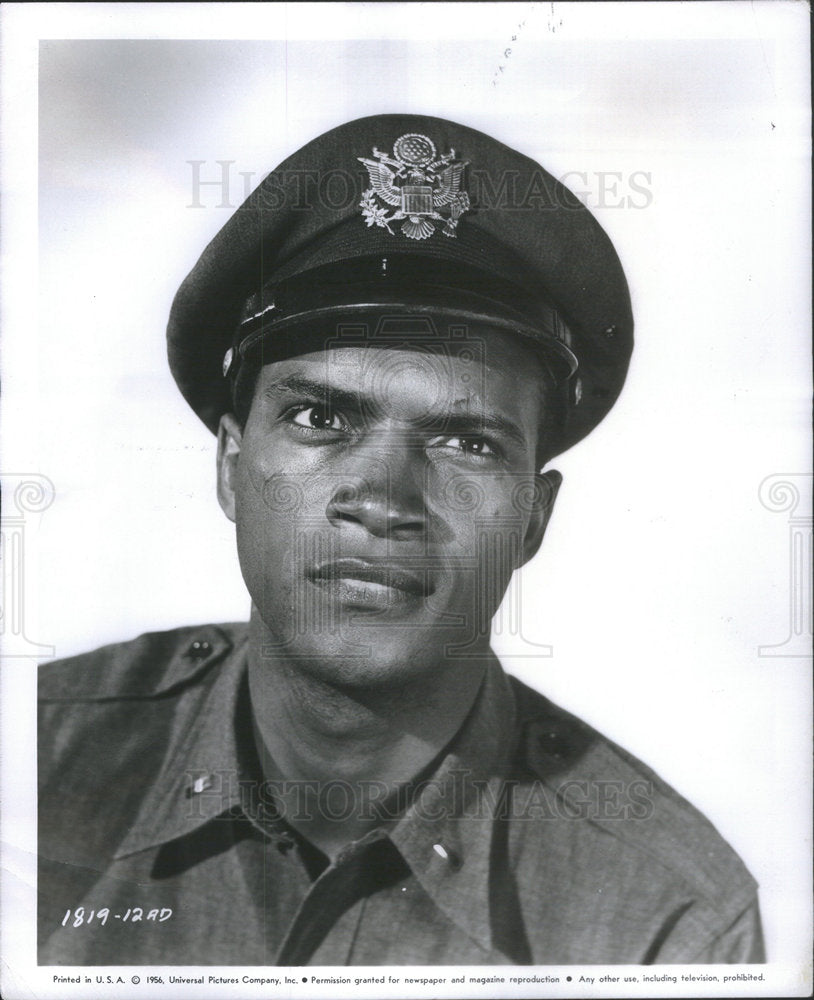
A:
[(532, 840)]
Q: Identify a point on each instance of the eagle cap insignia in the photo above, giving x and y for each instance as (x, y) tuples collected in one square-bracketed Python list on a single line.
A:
[(417, 184)]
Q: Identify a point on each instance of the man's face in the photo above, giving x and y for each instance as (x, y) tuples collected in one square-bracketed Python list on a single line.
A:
[(383, 498)]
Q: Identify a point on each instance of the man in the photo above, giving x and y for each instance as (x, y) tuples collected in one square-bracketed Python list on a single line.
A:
[(391, 338)]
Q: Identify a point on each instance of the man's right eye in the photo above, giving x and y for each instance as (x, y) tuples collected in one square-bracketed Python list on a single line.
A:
[(318, 418)]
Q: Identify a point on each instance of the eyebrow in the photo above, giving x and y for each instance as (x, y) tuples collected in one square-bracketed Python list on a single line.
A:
[(492, 422), (301, 385), (459, 420)]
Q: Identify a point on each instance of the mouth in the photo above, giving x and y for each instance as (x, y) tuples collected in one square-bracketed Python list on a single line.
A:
[(371, 583)]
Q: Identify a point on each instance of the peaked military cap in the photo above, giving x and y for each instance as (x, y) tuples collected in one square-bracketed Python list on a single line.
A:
[(412, 214)]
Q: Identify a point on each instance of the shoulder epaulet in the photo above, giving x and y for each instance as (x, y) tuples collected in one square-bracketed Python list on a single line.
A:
[(568, 756), (155, 663)]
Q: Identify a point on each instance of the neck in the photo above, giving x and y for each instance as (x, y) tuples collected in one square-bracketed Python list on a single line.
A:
[(317, 730)]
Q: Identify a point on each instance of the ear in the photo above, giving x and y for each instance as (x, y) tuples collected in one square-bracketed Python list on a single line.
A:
[(230, 438), (546, 487)]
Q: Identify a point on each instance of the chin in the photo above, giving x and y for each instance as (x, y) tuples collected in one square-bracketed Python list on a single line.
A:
[(368, 658)]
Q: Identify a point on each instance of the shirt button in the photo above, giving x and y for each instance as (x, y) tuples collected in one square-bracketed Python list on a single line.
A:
[(199, 650), (199, 785), (449, 856)]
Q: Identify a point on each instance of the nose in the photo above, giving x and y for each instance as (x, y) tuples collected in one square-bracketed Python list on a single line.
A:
[(382, 491)]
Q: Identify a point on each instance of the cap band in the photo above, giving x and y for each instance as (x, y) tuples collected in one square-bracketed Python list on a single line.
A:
[(370, 288)]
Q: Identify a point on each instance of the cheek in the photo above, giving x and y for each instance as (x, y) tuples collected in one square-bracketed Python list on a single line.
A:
[(277, 478), (279, 516), (487, 529), (264, 511), (264, 489), (474, 503)]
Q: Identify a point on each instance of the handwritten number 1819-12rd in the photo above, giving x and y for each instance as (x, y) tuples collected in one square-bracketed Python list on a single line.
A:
[(133, 915)]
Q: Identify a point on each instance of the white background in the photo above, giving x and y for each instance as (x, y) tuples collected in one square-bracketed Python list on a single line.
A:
[(662, 572)]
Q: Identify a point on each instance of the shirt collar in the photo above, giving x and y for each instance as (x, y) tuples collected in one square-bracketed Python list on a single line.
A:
[(447, 832), (445, 835), (204, 766)]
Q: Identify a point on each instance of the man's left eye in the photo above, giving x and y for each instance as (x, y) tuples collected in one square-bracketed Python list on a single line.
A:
[(467, 445)]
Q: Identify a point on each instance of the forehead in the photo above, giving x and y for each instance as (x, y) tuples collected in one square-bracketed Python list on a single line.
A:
[(411, 376)]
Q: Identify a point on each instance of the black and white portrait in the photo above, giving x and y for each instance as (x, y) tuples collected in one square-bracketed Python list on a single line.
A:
[(407, 498)]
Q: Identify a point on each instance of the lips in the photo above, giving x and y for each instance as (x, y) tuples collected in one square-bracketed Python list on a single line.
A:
[(377, 583)]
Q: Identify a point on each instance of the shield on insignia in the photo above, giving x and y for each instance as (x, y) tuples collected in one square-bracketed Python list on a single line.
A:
[(416, 199)]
